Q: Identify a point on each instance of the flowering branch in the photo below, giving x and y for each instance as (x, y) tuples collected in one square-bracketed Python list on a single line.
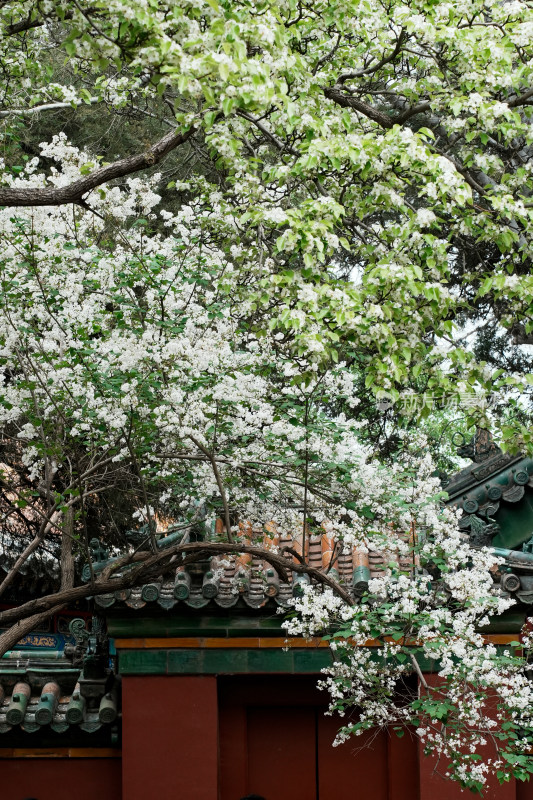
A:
[(76, 191)]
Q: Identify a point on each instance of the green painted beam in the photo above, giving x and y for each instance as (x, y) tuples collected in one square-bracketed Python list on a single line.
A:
[(36, 652), (226, 661), (143, 662), (238, 661), (172, 625), (195, 625), (509, 622), (39, 671)]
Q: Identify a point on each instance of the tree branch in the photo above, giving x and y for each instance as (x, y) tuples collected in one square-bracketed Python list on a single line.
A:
[(418, 671), (325, 58), (347, 101), (9, 638), (153, 565), (519, 334), (44, 107), (370, 70), (74, 192), (23, 557), (47, 523), (521, 99), (269, 135), (67, 556), (220, 484), (24, 25)]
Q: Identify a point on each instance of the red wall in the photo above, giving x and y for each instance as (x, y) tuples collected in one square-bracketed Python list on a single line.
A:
[(60, 779), (435, 787), (524, 791), (169, 738), (184, 740)]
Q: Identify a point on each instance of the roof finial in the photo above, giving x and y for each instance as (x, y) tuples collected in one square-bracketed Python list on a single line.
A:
[(480, 448)]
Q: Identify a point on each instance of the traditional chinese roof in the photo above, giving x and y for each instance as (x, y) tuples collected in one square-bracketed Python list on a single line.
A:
[(42, 688), (496, 488), (35, 695), (248, 582), (495, 494), (50, 707)]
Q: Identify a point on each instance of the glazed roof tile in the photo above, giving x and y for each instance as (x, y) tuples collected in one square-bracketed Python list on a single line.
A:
[(24, 706)]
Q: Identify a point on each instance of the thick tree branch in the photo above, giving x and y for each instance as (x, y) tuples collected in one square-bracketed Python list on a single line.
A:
[(29, 23), (344, 100), (150, 565), (24, 25), (521, 99), (75, 192), (348, 101), (67, 556), (421, 108), (9, 638)]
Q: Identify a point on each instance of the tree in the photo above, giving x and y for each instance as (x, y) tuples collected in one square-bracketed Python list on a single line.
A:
[(212, 342)]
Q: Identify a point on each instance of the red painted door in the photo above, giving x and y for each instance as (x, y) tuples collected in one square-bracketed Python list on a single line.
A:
[(282, 752), (276, 742), (267, 737), (355, 770)]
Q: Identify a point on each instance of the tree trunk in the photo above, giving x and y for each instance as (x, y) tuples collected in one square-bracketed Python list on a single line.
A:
[(67, 558)]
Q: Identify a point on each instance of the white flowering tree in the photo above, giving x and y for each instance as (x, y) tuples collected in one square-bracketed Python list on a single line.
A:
[(474, 716), (181, 342)]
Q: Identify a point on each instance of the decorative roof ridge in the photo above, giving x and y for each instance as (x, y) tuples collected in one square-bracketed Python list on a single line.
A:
[(475, 474)]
